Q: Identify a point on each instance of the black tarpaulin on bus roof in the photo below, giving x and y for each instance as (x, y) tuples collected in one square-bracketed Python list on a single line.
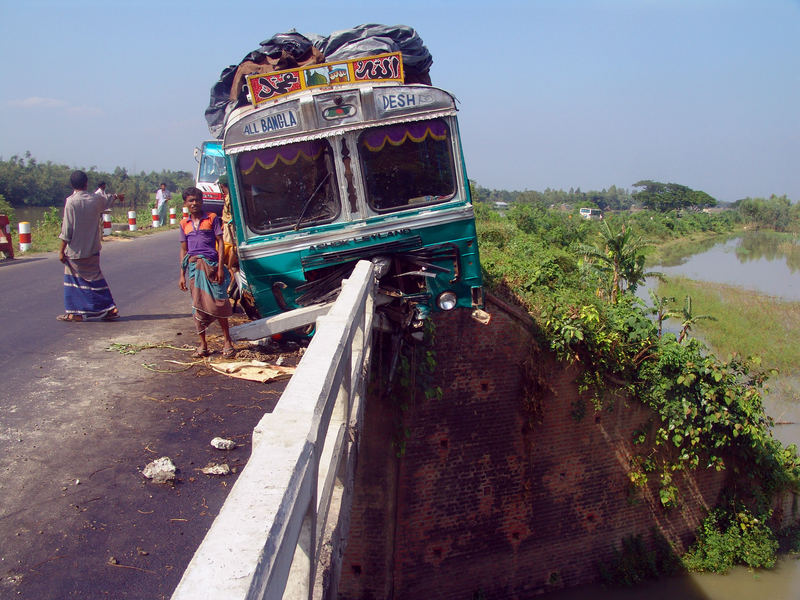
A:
[(292, 49)]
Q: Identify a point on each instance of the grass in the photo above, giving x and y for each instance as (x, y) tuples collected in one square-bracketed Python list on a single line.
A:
[(747, 322)]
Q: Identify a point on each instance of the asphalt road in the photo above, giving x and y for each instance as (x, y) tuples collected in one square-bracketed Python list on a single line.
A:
[(79, 420)]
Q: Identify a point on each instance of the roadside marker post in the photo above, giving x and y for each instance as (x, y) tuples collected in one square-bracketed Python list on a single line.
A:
[(24, 236), (131, 220), (156, 221), (106, 223), (172, 219)]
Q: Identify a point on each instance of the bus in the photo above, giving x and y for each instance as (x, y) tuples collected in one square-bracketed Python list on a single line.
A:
[(210, 166), (338, 162)]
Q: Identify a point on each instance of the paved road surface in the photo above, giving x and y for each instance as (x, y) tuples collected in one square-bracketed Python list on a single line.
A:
[(78, 423)]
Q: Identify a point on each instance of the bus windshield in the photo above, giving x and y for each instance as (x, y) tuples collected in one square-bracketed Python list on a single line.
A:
[(289, 187), (212, 164), (407, 164)]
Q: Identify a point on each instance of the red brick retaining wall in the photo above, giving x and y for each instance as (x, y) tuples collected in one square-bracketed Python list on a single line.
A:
[(496, 495)]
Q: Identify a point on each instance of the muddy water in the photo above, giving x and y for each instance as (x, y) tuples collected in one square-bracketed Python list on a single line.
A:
[(757, 261), (769, 265), (780, 583)]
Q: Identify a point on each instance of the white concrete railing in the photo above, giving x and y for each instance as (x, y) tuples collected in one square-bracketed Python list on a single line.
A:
[(281, 530)]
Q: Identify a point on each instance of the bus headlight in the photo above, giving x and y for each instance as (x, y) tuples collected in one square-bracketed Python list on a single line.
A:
[(382, 265), (447, 300)]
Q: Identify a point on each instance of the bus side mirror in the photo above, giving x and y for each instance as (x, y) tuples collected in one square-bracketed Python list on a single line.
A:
[(197, 154)]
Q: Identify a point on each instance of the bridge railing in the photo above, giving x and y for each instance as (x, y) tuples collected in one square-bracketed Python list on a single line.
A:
[(281, 530)]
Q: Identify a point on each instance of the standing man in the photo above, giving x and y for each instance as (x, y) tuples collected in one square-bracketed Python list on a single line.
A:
[(86, 293), (203, 272), (163, 196)]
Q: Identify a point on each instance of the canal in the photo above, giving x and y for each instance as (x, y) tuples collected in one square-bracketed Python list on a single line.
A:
[(767, 264)]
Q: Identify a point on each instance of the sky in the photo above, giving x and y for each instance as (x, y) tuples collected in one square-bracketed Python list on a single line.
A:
[(553, 94)]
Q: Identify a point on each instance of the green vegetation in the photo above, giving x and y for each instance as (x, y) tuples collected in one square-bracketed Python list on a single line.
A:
[(733, 536), (6, 209), (45, 231), (775, 212), (27, 182), (575, 278), (24, 182), (746, 323), (664, 197)]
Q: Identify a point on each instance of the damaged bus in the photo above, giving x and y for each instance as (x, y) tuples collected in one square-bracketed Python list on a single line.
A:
[(337, 162)]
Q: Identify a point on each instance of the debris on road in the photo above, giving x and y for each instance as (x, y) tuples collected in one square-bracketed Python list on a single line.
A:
[(215, 469), (253, 370), (160, 470), (223, 444)]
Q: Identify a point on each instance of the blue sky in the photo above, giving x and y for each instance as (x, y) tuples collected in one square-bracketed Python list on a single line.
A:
[(553, 93)]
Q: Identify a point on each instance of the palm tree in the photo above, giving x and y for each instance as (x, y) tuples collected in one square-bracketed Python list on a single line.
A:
[(660, 309), (689, 319), (621, 257)]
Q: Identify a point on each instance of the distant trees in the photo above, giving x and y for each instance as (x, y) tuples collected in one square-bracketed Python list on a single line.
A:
[(613, 198), (665, 197), (26, 182), (775, 212)]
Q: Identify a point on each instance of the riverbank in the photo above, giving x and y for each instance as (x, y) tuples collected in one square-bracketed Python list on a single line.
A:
[(673, 251), (745, 322)]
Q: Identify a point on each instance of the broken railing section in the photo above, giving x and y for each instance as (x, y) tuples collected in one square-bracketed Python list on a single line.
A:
[(263, 328), (281, 531)]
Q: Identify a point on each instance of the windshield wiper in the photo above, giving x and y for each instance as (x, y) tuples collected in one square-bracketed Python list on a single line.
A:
[(308, 202)]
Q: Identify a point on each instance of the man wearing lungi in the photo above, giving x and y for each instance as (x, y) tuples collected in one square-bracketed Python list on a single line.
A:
[(203, 272), (86, 293)]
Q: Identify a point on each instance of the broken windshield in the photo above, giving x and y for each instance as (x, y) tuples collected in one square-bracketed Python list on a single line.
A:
[(407, 164), (289, 187)]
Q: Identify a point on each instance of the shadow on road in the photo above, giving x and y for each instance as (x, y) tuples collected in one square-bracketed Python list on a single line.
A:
[(7, 262), (160, 317)]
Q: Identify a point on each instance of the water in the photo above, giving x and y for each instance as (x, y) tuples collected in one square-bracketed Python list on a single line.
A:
[(768, 264), (765, 263), (780, 583)]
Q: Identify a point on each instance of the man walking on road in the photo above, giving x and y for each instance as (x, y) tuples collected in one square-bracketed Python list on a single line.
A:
[(86, 293)]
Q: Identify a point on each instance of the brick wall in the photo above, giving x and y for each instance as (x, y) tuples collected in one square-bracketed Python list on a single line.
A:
[(496, 495)]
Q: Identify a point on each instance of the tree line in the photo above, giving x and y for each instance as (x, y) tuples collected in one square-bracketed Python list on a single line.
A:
[(671, 200), (653, 195), (24, 181)]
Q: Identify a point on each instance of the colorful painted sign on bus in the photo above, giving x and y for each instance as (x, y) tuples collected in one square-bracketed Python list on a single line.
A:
[(269, 86)]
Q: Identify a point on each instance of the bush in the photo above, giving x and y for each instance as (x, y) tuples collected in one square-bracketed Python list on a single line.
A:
[(6, 209), (729, 537)]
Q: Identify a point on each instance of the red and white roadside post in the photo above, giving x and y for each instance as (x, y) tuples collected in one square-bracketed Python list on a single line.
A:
[(156, 221), (172, 218), (106, 223), (185, 212), (24, 236), (131, 220)]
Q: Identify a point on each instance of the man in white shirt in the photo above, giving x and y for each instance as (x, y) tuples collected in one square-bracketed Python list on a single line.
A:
[(163, 197)]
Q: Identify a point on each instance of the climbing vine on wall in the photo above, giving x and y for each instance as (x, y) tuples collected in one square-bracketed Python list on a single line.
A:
[(709, 412)]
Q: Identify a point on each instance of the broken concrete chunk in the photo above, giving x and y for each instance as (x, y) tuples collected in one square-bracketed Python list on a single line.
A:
[(160, 470), (223, 444), (212, 469)]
